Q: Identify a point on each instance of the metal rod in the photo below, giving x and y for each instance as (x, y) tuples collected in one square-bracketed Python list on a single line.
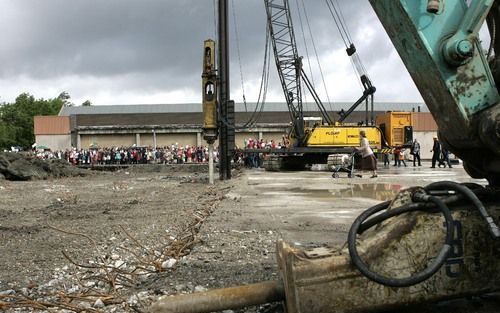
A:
[(211, 163), (366, 111), (372, 117), (222, 299), (224, 90)]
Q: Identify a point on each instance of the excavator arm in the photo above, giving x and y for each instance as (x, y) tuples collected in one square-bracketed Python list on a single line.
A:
[(439, 44)]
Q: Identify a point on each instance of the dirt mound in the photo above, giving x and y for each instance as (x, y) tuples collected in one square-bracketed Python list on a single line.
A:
[(15, 166)]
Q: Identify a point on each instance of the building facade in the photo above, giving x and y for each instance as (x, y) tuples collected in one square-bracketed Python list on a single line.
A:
[(53, 132), (166, 124)]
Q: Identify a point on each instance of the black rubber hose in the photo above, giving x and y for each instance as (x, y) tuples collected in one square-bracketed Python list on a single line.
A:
[(411, 207), (444, 185), (436, 264), (473, 186)]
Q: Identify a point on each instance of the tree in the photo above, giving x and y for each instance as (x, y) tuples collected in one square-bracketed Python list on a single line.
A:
[(64, 96), (16, 119), (87, 103)]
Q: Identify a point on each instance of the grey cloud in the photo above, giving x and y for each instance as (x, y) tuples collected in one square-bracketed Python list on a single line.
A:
[(156, 45), (105, 37)]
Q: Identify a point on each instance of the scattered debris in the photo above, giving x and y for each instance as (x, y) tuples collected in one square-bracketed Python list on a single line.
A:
[(169, 263), (233, 196), (107, 278), (98, 303), (7, 292)]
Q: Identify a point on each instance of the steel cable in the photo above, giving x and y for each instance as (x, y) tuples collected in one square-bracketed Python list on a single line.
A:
[(236, 35), (317, 55)]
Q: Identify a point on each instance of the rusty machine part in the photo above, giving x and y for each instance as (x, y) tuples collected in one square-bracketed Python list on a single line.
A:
[(221, 299), (397, 244), (209, 81)]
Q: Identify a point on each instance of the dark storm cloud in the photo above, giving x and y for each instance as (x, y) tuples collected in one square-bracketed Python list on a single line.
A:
[(156, 45), (95, 37)]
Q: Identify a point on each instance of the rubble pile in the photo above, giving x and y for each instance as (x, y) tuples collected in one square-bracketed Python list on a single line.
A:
[(22, 167)]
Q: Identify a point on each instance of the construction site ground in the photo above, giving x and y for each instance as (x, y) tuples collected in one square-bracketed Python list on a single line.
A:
[(224, 235)]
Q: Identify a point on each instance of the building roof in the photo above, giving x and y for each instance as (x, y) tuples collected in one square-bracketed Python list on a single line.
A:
[(190, 118), (240, 107)]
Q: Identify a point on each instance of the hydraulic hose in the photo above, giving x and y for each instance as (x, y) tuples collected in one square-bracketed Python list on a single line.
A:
[(471, 196), (425, 200), (369, 223), (358, 227), (451, 197)]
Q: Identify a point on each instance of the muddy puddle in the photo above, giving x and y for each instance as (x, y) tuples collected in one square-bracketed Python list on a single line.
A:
[(380, 192)]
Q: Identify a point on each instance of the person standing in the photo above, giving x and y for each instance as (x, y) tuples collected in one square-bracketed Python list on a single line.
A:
[(445, 158), (402, 157), (396, 153), (436, 151), (415, 151), (369, 162), (397, 156), (387, 162)]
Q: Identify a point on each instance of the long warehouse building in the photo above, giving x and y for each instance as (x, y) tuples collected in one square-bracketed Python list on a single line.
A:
[(165, 124)]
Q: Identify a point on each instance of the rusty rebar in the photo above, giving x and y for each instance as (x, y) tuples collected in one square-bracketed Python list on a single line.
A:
[(222, 299)]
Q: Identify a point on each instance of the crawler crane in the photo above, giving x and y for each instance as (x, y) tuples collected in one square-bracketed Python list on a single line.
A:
[(311, 139)]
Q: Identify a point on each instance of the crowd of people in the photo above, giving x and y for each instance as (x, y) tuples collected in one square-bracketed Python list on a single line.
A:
[(179, 154), (255, 160), (440, 155), (401, 154), (173, 154)]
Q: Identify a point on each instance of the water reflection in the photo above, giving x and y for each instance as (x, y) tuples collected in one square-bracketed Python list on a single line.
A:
[(380, 192)]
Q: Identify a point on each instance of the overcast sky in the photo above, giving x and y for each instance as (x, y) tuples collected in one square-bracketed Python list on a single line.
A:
[(150, 51)]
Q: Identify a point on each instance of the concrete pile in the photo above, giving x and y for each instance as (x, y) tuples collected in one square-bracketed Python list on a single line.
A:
[(22, 167)]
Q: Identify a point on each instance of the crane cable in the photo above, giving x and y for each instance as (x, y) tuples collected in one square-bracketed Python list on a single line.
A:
[(264, 83), (316, 54), (306, 49), (344, 33), (236, 34), (341, 24), (259, 107)]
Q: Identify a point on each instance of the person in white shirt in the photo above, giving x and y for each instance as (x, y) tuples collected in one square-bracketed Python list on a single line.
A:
[(369, 162)]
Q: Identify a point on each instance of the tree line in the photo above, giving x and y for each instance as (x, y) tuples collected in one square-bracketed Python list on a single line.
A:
[(16, 119)]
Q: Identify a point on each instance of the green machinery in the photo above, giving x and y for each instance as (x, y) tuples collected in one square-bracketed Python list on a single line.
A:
[(438, 42)]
